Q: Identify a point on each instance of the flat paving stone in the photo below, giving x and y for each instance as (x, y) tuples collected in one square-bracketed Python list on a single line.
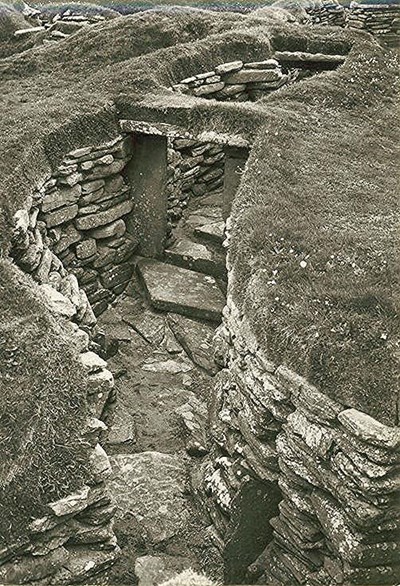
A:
[(196, 339), (151, 486), (171, 288), (196, 257)]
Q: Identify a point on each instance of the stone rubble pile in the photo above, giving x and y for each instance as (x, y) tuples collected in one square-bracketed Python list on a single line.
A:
[(337, 469), (54, 28), (239, 82), (194, 169), (76, 222)]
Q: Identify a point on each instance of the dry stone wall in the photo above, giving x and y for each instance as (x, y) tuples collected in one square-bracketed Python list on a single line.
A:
[(68, 224), (382, 20), (193, 169), (330, 474), (338, 469), (239, 82), (74, 539), (379, 19), (76, 222)]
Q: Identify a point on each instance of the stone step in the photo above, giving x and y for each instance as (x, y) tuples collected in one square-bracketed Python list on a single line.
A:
[(211, 231), (196, 257), (170, 288)]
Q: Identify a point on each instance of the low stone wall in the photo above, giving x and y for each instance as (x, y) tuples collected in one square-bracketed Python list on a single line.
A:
[(75, 221), (74, 539), (193, 169), (327, 12), (323, 478), (239, 82), (382, 20), (379, 19)]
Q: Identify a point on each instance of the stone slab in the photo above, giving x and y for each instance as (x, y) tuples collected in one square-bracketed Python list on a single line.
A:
[(196, 257), (151, 487), (182, 291), (196, 339), (102, 218), (213, 231)]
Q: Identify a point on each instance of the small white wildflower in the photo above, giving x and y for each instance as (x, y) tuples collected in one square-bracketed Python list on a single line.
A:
[(303, 264), (383, 336)]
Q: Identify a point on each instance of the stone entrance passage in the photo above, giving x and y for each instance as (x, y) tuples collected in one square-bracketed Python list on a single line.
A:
[(163, 326), (146, 173)]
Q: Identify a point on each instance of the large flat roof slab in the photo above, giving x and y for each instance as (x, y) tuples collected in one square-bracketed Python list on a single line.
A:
[(174, 131), (170, 288)]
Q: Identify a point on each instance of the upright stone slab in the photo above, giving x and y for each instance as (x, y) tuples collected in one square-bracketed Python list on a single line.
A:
[(235, 161), (147, 173)]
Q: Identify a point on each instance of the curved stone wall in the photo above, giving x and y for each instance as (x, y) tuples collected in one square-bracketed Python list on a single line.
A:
[(75, 540), (324, 477)]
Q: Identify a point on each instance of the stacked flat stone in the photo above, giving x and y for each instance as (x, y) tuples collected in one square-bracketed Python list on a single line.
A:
[(81, 209), (327, 12), (74, 540), (338, 469), (378, 19), (194, 168), (31, 252), (236, 81), (60, 26)]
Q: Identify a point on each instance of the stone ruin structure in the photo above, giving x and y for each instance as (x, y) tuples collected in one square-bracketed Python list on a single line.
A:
[(298, 487)]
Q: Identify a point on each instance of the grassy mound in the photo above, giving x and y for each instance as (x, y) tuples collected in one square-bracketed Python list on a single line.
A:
[(42, 408), (10, 21), (314, 249)]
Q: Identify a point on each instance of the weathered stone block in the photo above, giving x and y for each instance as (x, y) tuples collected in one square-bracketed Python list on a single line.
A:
[(102, 218), (71, 504), (230, 67), (63, 196), (33, 568), (69, 235), (106, 170), (92, 362), (58, 302), (91, 186), (252, 75), (115, 229), (60, 216), (206, 89), (369, 429), (86, 248)]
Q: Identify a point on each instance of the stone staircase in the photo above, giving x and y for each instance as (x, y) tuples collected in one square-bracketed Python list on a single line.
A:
[(191, 280)]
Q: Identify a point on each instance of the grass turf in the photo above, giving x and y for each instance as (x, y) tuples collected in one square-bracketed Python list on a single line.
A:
[(43, 406)]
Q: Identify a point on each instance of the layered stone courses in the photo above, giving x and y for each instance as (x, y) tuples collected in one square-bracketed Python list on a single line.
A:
[(238, 81), (338, 469), (74, 540), (76, 222), (194, 168)]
